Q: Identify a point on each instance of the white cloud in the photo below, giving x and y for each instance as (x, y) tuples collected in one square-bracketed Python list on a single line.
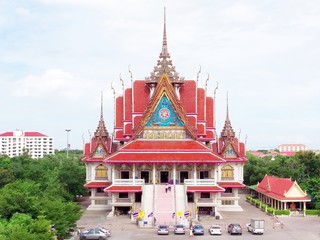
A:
[(240, 12), (54, 82), (22, 11)]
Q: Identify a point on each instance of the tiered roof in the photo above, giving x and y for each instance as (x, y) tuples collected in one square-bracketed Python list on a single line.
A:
[(281, 189), (164, 151)]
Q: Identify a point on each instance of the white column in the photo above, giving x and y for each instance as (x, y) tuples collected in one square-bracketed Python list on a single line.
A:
[(174, 174), (134, 174), (154, 174), (93, 193), (194, 173), (112, 173), (217, 173)]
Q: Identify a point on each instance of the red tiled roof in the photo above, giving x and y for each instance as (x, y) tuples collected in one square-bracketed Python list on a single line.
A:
[(34, 134), (160, 151), (205, 189), (178, 145), (97, 184), (277, 188), (6, 134), (231, 185), (257, 154), (114, 188), (237, 159), (289, 154), (90, 159), (25, 134)]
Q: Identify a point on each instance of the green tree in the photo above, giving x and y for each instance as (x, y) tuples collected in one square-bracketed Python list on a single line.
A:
[(312, 186), (255, 169), (22, 227), (27, 197)]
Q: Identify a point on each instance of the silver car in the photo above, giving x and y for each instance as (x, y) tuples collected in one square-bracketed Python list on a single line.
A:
[(97, 233), (179, 229), (163, 230)]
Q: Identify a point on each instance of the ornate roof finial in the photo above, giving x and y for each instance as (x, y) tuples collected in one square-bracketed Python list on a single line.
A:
[(101, 106), (164, 40), (227, 131), (122, 82), (228, 106), (215, 91), (207, 80), (129, 69), (198, 73), (101, 129), (164, 64)]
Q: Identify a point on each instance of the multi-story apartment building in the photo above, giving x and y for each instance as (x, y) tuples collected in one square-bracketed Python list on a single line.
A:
[(35, 144), (291, 147)]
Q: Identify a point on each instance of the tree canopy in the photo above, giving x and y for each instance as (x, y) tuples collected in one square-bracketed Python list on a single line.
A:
[(38, 193)]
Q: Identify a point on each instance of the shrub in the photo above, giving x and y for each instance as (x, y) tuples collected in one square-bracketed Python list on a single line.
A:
[(312, 212), (282, 212), (264, 207), (270, 210)]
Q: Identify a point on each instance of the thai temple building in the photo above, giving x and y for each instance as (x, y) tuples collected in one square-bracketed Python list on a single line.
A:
[(165, 159)]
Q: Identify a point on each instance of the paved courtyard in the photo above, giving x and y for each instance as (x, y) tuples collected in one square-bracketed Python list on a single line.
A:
[(293, 228)]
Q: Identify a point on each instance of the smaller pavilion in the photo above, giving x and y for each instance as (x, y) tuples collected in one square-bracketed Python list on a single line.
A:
[(282, 194)]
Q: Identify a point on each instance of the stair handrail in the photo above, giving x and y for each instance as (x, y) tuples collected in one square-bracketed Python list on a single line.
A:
[(153, 202), (175, 202)]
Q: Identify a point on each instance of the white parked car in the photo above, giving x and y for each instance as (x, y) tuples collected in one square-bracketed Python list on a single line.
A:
[(215, 230)]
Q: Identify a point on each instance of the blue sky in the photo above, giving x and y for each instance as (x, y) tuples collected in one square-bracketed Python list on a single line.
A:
[(56, 56)]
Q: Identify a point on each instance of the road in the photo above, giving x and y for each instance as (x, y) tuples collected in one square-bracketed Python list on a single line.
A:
[(292, 228)]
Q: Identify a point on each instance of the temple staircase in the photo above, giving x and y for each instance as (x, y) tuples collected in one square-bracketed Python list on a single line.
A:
[(147, 200), (164, 205)]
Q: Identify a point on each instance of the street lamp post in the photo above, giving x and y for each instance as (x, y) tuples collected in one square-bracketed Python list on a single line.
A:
[(68, 130)]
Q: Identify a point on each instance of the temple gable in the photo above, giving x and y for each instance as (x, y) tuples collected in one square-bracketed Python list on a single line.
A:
[(229, 152), (164, 114), (99, 152)]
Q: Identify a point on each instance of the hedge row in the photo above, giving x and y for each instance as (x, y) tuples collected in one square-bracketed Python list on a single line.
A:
[(313, 212), (264, 207)]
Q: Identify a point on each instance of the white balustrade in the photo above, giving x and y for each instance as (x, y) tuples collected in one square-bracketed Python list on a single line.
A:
[(200, 182), (128, 182)]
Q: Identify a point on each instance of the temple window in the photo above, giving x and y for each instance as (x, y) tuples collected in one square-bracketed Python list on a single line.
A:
[(227, 202), (123, 195), (227, 172), (101, 172), (205, 195), (204, 174), (124, 174), (100, 190)]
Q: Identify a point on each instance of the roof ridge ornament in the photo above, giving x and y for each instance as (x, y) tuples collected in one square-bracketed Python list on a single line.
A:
[(101, 129), (227, 131), (164, 63)]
